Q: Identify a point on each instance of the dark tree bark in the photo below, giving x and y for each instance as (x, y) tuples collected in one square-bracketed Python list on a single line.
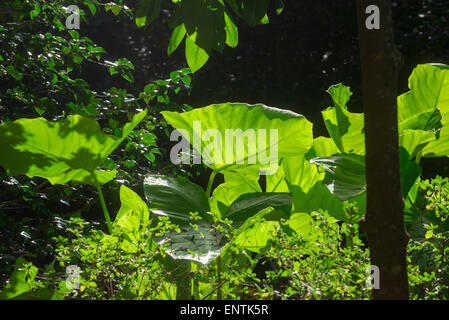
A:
[(384, 220)]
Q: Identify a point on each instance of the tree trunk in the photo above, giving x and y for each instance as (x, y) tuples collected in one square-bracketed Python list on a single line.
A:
[(384, 220)]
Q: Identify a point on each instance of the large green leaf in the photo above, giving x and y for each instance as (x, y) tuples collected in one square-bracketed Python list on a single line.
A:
[(440, 147), (414, 141), (317, 198), (132, 218), (410, 171), (344, 127), (428, 99), (274, 134), (305, 182), (61, 151), (256, 233), (277, 182), (322, 147), (345, 174), (300, 173), (426, 107), (21, 281), (197, 241), (300, 222), (250, 204), (234, 186), (176, 198)]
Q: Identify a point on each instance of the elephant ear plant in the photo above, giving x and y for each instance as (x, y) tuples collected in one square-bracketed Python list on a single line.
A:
[(61, 151), (263, 135)]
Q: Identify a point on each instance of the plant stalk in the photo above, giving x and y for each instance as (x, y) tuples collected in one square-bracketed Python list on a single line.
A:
[(103, 205), (219, 263), (211, 182), (418, 157)]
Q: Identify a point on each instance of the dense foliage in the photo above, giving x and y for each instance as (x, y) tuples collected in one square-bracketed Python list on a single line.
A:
[(286, 228)]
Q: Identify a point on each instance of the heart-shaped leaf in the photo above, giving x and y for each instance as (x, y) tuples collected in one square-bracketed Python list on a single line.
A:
[(233, 137)]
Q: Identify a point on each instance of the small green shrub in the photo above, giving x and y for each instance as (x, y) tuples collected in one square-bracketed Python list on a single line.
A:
[(429, 248), (107, 269), (330, 264)]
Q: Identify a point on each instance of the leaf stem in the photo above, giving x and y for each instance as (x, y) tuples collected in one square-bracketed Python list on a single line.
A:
[(219, 263), (418, 157), (211, 182), (103, 205)]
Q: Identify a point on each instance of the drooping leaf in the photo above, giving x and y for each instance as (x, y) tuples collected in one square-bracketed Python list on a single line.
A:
[(414, 141), (250, 204), (177, 36), (195, 55), (205, 19), (318, 197), (258, 231), (345, 174), (440, 147), (410, 171), (232, 33), (197, 241), (277, 182), (229, 191), (299, 172), (131, 218), (344, 127), (176, 198), (305, 183), (61, 151)]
